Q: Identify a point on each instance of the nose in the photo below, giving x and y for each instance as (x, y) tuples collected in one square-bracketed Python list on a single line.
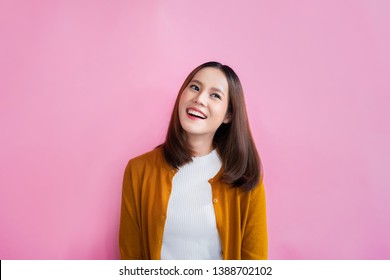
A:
[(200, 99)]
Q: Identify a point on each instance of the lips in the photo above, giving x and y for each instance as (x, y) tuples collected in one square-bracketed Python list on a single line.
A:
[(196, 113)]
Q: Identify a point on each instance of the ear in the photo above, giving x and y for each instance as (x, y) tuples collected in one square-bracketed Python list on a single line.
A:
[(228, 118)]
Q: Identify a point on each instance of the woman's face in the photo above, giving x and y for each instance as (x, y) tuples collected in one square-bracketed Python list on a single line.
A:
[(204, 102)]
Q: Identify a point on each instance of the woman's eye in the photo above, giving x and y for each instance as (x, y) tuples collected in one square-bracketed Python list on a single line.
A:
[(216, 95), (194, 87)]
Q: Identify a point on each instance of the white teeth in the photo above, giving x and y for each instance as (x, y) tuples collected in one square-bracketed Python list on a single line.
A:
[(196, 113)]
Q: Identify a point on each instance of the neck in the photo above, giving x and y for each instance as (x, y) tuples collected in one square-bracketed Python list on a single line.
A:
[(201, 146)]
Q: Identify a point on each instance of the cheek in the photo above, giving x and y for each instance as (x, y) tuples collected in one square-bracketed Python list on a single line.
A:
[(223, 110), (182, 105), (183, 98)]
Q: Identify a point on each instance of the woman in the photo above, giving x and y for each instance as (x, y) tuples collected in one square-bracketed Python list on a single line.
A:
[(199, 195)]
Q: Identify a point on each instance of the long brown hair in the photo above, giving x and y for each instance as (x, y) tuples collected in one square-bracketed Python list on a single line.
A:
[(234, 142)]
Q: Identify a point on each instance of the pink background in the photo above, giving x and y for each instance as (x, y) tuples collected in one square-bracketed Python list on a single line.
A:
[(87, 85)]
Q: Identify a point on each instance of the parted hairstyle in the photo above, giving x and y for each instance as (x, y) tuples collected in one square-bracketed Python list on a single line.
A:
[(241, 165)]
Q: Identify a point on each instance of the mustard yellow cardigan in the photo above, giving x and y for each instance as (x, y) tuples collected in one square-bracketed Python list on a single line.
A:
[(147, 184)]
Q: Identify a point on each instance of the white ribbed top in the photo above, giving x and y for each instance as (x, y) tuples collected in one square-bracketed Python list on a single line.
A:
[(190, 230)]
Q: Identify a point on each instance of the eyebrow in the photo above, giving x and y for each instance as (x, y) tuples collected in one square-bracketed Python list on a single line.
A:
[(213, 88)]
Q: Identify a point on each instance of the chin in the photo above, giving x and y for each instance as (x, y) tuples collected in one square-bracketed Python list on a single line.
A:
[(192, 131)]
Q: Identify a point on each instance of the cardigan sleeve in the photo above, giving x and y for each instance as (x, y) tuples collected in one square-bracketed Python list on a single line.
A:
[(255, 238), (130, 241)]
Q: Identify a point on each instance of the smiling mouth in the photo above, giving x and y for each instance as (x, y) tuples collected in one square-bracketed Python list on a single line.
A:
[(196, 114)]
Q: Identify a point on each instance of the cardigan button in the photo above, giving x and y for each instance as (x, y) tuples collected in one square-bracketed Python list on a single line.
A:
[(215, 200)]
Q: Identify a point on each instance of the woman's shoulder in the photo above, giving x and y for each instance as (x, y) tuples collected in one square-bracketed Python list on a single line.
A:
[(151, 158)]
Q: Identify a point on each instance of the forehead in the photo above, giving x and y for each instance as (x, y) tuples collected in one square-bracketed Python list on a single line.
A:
[(212, 77)]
